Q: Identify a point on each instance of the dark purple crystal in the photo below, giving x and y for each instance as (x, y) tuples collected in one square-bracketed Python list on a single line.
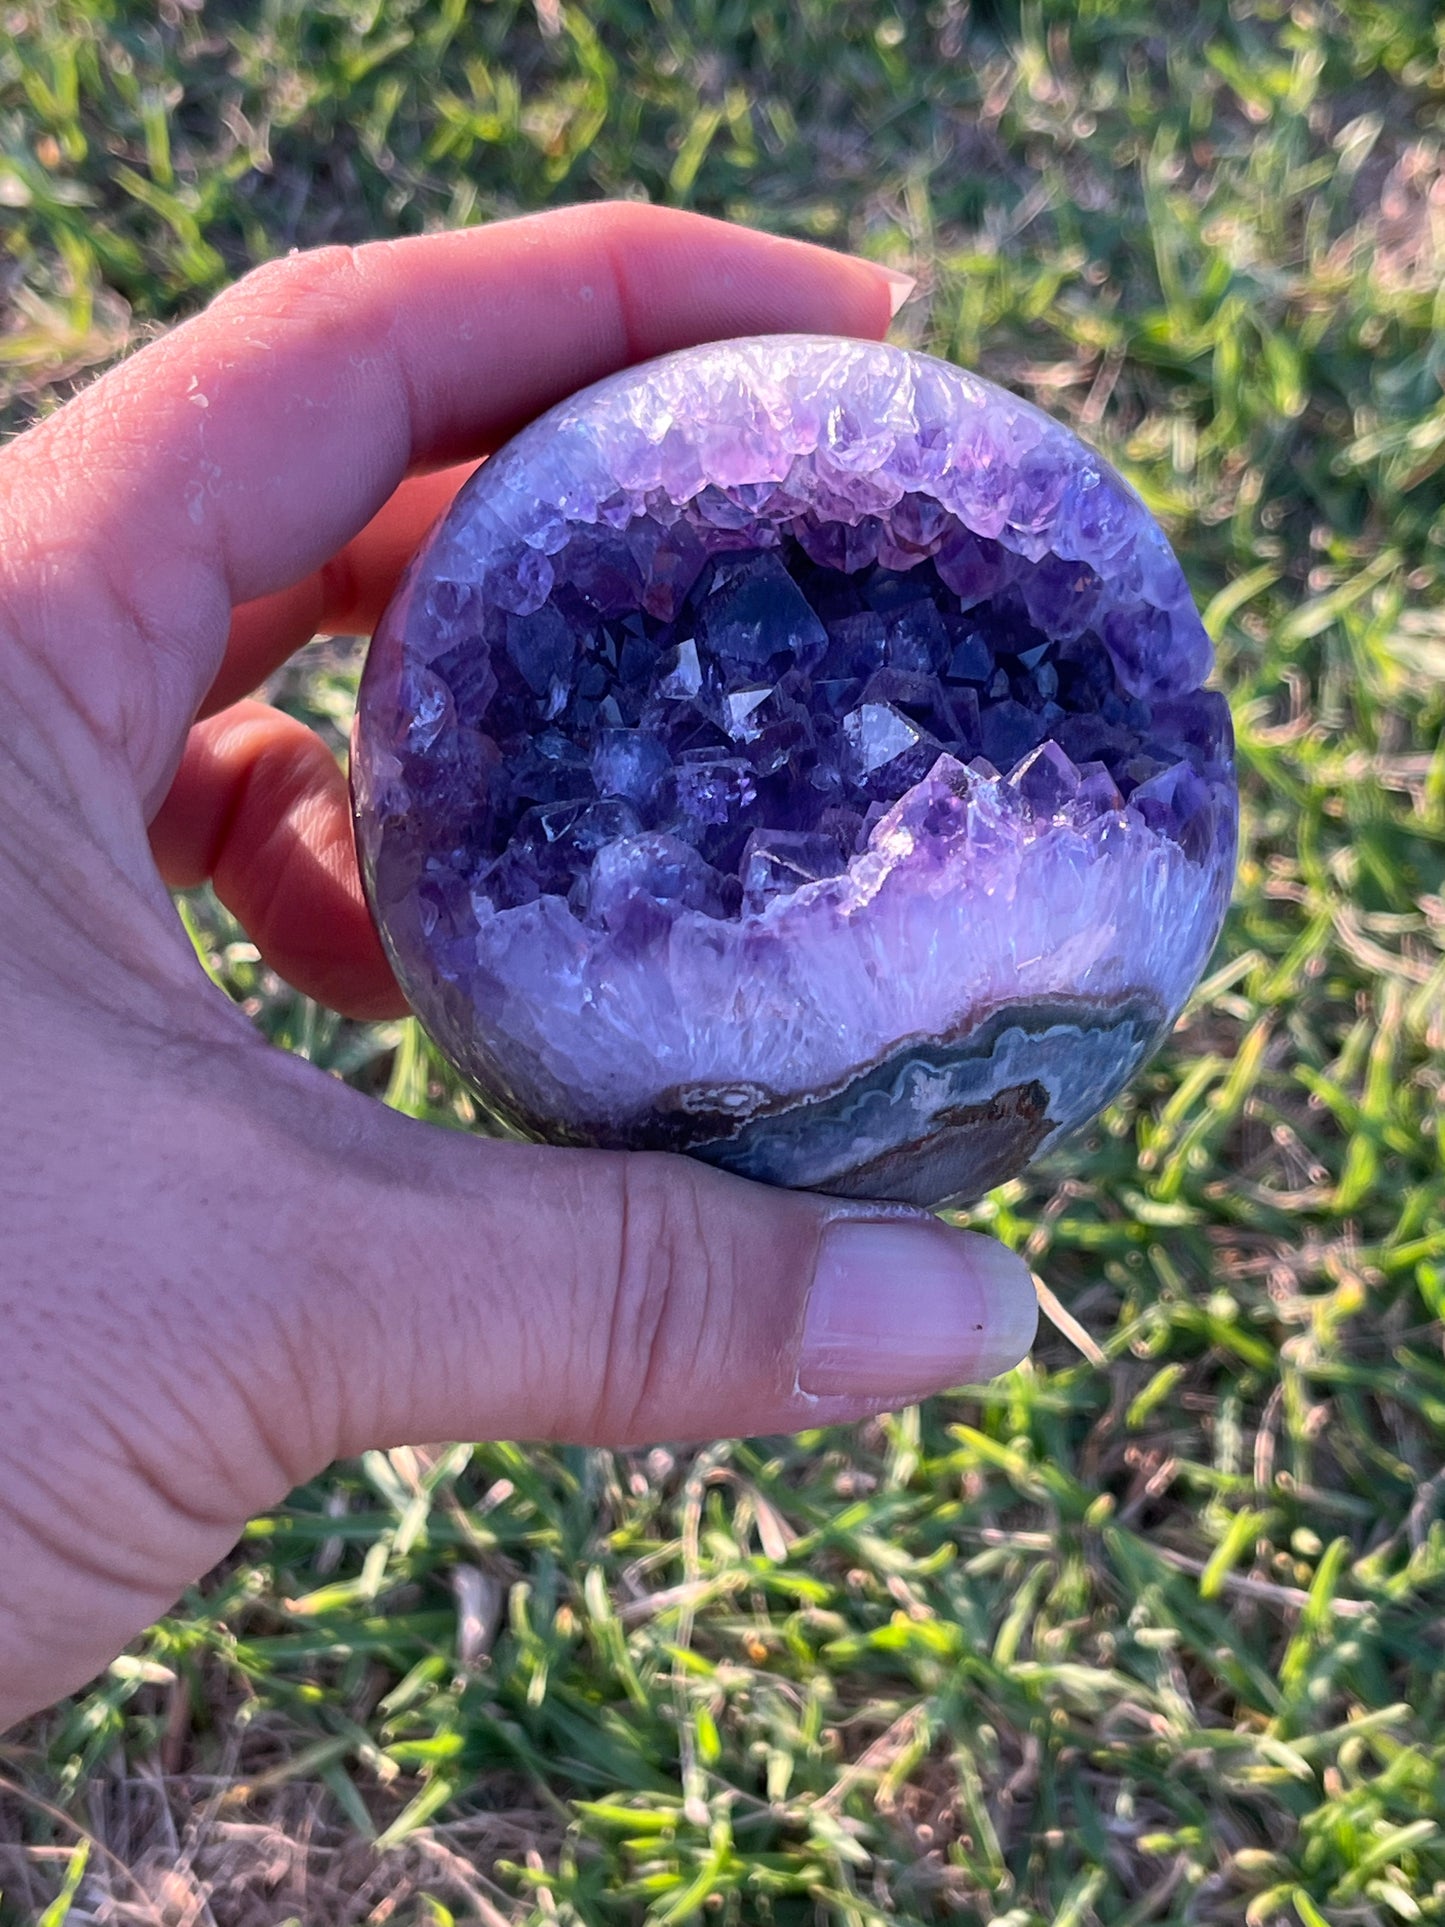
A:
[(793, 751)]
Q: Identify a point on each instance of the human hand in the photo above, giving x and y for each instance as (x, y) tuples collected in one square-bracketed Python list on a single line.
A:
[(220, 1268)]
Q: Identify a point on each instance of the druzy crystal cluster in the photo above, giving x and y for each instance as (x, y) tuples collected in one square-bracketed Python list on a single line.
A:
[(793, 751)]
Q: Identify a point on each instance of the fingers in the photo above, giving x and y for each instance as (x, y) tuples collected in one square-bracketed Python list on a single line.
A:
[(503, 1290), (230, 459), (345, 597), (260, 807)]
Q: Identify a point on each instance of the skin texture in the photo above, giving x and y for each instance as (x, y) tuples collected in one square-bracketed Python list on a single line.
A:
[(219, 1268)]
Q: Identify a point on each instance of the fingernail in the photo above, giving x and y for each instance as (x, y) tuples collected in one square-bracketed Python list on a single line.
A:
[(899, 1308), (900, 286)]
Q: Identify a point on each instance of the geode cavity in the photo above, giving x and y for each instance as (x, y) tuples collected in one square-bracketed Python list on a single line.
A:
[(792, 751)]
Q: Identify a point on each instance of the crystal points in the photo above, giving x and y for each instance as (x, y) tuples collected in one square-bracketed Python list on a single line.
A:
[(792, 751)]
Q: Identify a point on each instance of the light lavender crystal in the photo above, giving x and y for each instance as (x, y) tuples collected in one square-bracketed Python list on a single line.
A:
[(792, 751)]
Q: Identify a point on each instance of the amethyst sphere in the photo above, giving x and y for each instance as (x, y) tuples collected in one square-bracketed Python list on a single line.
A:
[(792, 751)]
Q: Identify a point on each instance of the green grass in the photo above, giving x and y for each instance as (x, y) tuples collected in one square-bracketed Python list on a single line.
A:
[(1152, 1640)]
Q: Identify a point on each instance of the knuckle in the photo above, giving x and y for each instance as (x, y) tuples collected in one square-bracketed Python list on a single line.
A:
[(673, 1284), (315, 282)]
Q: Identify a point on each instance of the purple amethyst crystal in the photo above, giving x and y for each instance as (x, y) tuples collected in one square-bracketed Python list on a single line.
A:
[(792, 752)]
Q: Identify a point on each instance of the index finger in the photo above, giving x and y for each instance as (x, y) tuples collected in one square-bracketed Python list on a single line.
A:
[(345, 596), (231, 458)]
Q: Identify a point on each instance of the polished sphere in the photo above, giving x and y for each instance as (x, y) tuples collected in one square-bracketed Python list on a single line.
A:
[(793, 751)]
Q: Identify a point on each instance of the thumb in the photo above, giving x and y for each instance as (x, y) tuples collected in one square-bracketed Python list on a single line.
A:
[(514, 1291)]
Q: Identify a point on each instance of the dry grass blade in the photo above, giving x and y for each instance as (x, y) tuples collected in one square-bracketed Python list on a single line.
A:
[(1064, 1322)]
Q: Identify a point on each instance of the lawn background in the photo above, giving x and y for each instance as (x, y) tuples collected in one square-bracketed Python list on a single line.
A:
[(1146, 1636)]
